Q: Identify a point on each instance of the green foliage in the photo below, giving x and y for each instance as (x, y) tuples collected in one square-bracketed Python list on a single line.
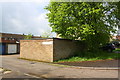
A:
[(118, 49), (29, 36), (88, 56), (118, 12), (46, 34), (91, 22)]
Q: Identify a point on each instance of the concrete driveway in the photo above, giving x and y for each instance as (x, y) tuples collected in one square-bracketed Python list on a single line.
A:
[(31, 69)]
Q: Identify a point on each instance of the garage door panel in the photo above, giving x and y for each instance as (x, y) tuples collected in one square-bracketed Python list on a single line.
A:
[(12, 48)]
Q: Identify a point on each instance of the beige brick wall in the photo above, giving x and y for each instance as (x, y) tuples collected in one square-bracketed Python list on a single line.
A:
[(37, 50), (43, 50), (64, 48)]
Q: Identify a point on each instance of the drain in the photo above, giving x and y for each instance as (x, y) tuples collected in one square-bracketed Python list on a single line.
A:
[(32, 63)]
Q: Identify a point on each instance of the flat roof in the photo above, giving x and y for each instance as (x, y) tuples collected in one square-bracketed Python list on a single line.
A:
[(50, 38)]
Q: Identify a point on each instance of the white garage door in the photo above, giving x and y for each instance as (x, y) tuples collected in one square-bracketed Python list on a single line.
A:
[(12, 48)]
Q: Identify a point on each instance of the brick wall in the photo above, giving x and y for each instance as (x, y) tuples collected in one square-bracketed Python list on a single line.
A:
[(8, 37), (118, 37), (48, 50), (37, 50), (64, 48)]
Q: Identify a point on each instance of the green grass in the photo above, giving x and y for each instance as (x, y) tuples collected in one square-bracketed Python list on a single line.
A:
[(88, 56), (117, 49)]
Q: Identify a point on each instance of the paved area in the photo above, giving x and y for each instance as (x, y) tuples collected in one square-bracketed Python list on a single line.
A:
[(31, 69)]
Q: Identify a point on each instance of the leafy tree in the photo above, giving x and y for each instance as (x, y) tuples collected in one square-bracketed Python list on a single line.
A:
[(46, 34), (91, 22), (116, 8), (118, 12), (29, 36)]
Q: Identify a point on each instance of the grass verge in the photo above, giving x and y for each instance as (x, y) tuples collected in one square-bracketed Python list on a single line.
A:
[(88, 56), (117, 49)]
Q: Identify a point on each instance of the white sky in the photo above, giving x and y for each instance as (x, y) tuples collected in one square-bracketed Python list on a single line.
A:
[(24, 16)]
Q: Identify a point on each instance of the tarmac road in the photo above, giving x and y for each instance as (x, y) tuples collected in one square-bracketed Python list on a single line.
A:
[(31, 69)]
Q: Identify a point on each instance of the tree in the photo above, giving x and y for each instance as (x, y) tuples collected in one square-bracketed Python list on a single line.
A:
[(118, 12), (29, 36), (116, 8), (91, 22), (46, 34)]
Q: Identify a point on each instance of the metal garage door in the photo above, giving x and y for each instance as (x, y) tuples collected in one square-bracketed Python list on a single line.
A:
[(12, 48), (2, 48)]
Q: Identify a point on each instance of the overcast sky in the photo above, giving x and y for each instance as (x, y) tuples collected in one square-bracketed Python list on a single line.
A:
[(22, 16)]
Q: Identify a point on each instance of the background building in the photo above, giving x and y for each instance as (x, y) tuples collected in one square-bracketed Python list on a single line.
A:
[(10, 43)]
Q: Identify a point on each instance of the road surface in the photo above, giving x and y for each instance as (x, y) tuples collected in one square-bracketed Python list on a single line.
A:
[(31, 69)]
